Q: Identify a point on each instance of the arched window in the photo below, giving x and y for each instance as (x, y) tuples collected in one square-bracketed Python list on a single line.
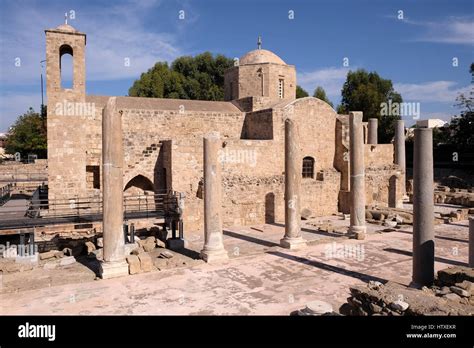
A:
[(66, 67), (308, 167)]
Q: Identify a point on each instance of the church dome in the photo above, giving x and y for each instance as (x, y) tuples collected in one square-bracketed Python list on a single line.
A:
[(260, 56)]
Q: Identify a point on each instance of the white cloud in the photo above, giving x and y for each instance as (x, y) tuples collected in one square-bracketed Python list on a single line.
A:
[(331, 79), (453, 30), (112, 36), (434, 91)]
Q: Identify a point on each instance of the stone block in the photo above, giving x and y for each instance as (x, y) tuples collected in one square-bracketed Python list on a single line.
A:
[(460, 291), (146, 262), (47, 255), (133, 264), (149, 245), (399, 305), (129, 247), (137, 251), (113, 269), (456, 274), (90, 247), (466, 285), (68, 260)]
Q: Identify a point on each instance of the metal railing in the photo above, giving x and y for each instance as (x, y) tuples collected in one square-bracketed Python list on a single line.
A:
[(5, 193), (39, 211)]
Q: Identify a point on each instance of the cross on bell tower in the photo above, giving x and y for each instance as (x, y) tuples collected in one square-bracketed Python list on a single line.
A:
[(259, 42)]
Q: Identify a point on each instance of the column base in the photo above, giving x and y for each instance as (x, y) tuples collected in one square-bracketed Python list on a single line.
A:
[(211, 256), (113, 269), (293, 243), (359, 232)]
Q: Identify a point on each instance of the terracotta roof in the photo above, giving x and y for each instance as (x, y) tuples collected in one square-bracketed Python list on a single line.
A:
[(165, 104)]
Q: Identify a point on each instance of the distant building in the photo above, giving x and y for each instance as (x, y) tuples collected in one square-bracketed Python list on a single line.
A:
[(431, 123), (3, 138)]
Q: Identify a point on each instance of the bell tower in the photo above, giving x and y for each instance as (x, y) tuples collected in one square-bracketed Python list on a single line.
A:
[(61, 41), (67, 126)]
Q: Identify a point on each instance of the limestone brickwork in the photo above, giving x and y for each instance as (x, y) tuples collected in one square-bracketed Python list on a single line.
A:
[(163, 141)]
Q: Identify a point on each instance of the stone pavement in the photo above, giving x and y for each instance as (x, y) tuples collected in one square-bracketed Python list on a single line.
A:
[(260, 279)]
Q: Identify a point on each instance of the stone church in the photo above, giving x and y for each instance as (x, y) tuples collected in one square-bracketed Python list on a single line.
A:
[(163, 141)]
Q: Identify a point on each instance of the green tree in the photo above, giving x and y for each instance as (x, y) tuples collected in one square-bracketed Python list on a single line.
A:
[(320, 93), (200, 77), (300, 92), (341, 110), (366, 91), (28, 135), (461, 127)]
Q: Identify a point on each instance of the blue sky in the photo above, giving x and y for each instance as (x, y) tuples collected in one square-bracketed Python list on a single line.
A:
[(415, 52)]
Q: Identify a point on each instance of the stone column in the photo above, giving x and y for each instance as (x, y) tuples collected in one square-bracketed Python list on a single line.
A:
[(372, 136), (213, 247), (293, 166), (471, 242), (399, 156), (114, 264), (423, 208), (357, 225)]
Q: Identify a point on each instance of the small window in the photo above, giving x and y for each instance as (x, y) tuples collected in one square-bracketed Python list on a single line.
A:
[(308, 167), (93, 177), (281, 88)]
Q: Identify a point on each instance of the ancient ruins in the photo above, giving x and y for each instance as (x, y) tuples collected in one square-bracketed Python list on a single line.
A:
[(253, 192)]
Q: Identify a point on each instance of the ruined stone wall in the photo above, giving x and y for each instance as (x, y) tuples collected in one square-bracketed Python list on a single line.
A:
[(258, 125), (250, 171), (155, 140), (378, 155), (10, 171), (316, 126), (383, 179), (320, 196)]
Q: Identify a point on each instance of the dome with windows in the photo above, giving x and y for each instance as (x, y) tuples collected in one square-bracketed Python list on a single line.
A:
[(260, 56)]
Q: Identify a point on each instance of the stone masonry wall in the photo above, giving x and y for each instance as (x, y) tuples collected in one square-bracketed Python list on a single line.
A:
[(21, 171)]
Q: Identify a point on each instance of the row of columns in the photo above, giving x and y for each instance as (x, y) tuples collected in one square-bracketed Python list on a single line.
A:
[(213, 245), (423, 203), (114, 263)]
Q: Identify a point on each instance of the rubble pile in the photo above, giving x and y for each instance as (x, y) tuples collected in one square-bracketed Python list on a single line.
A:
[(452, 294)]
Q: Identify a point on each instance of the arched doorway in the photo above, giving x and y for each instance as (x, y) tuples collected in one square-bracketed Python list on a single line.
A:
[(139, 185)]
